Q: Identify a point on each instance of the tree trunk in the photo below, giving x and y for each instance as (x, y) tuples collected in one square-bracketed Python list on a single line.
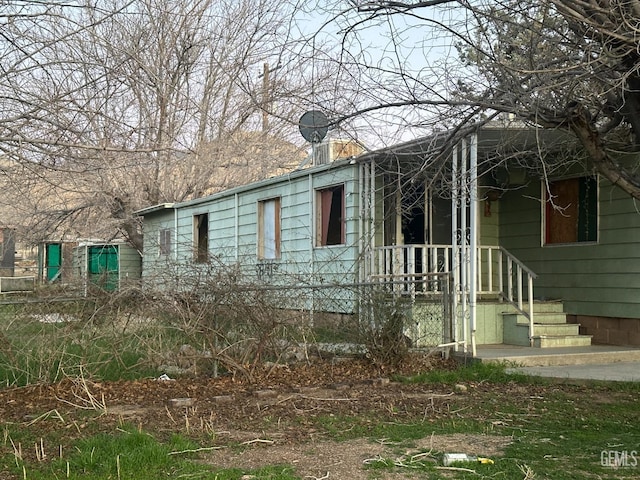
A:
[(581, 125)]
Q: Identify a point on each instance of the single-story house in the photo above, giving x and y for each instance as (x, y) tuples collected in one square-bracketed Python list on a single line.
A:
[(529, 259)]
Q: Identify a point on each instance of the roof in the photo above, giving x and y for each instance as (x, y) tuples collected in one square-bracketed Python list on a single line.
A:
[(248, 187), (492, 139), (154, 208)]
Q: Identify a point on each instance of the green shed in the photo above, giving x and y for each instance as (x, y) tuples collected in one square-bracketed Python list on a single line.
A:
[(108, 265), (55, 261)]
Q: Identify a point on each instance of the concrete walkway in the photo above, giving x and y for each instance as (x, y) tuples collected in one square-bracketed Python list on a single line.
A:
[(595, 362), (619, 372)]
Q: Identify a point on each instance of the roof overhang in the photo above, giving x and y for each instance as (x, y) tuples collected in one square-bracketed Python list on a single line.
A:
[(154, 208)]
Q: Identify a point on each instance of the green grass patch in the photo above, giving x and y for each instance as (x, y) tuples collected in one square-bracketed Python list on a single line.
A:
[(561, 433), (472, 372), (372, 426), (129, 454)]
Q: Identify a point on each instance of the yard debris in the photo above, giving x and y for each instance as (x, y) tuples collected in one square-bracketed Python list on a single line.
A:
[(258, 440), (83, 395), (266, 393), (181, 402), (222, 398), (450, 458), (51, 413), (55, 318)]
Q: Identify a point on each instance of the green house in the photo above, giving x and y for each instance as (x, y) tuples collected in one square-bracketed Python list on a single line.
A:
[(464, 223)]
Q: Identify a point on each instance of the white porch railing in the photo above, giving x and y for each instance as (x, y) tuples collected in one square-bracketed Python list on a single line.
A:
[(499, 273)]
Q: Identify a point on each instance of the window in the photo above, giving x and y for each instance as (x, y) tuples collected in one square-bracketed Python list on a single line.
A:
[(165, 241), (201, 238), (330, 216), (571, 211), (269, 229)]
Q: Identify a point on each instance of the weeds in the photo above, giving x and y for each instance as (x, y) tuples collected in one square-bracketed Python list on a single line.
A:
[(207, 320)]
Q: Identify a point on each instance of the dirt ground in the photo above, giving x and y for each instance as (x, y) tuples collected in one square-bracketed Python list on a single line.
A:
[(272, 417)]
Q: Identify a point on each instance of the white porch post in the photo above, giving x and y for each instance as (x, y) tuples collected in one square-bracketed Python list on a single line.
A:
[(473, 237), (455, 252), (372, 213), (398, 252), (464, 241), (364, 250)]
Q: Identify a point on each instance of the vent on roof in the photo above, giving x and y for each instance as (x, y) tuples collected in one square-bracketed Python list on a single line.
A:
[(331, 150)]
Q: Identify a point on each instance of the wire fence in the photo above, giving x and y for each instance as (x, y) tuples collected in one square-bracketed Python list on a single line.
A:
[(215, 324), (421, 307)]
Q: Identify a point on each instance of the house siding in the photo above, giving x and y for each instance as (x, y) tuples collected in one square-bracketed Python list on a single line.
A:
[(233, 231), (155, 268), (130, 264), (601, 279)]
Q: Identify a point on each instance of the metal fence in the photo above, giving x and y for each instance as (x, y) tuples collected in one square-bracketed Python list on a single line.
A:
[(426, 320)]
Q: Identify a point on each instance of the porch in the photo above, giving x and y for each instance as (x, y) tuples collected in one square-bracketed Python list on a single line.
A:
[(496, 306)]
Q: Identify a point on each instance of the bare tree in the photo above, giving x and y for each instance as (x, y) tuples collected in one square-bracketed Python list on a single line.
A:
[(112, 107), (554, 64)]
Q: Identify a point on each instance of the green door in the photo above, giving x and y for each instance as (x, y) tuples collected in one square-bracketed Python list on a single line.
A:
[(103, 266), (54, 261)]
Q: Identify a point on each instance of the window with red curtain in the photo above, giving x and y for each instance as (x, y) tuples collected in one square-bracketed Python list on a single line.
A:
[(330, 216)]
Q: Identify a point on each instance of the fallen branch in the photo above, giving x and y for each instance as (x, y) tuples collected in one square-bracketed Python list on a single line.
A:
[(457, 469), (331, 399), (258, 440), (318, 478), (46, 415), (196, 450)]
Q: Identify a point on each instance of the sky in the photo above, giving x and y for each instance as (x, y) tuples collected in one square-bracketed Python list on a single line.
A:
[(404, 47)]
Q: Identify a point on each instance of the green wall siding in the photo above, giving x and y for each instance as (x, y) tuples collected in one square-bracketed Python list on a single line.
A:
[(601, 279), (130, 263), (488, 219), (233, 235), (156, 268)]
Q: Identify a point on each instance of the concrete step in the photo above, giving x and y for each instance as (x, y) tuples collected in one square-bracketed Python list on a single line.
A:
[(539, 357), (552, 341), (539, 317), (555, 329), (538, 306), (550, 330)]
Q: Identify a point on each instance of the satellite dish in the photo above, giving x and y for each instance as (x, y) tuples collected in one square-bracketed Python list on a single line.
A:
[(314, 126)]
